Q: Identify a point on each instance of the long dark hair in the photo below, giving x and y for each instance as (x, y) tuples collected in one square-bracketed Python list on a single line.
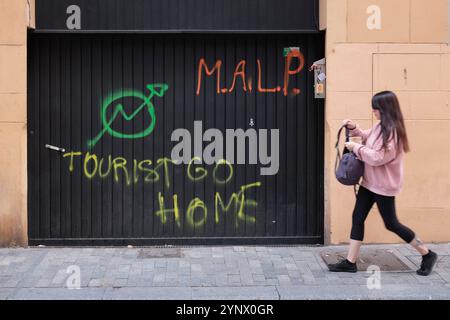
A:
[(392, 124)]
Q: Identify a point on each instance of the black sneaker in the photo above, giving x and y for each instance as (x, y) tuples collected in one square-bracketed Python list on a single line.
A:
[(343, 266), (428, 262)]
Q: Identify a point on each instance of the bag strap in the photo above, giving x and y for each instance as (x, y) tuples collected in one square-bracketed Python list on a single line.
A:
[(338, 153)]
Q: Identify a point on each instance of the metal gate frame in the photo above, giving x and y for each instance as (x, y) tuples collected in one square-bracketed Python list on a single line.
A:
[(317, 176)]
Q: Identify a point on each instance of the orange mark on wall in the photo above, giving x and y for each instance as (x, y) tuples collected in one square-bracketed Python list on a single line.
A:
[(260, 89), (202, 64), (239, 72), (288, 72)]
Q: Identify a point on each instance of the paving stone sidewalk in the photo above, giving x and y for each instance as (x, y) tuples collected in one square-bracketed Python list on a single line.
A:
[(218, 272)]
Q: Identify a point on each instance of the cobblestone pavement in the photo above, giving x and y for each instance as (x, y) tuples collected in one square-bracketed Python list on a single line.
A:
[(228, 272)]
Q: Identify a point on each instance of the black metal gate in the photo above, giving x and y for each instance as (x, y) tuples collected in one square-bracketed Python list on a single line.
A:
[(103, 111)]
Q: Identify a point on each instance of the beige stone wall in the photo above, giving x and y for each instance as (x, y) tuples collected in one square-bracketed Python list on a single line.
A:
[(409, 55), (15, 17)]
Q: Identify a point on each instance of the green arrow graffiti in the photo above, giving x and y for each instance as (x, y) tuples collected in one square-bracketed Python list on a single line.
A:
[(156, 89)]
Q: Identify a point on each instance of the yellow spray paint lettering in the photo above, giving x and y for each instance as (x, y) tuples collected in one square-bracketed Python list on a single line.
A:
[(71, 155), (90, 158), (230, 172), (135, 175), (100, 171), (164, 163), (120, 163), (149, 172), (246, 202), (163, 212), (202, 173), (103, 167), (236, 206), (193, 206), (234, 199)]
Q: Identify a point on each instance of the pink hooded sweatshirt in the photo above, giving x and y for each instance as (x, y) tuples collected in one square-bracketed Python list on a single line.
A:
[(383, 168)]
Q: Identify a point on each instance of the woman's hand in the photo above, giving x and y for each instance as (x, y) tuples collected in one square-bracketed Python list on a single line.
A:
[(351, 145), (349, 124)]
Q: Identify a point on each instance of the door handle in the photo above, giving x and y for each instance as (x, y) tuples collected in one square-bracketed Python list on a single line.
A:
[(55, 148)]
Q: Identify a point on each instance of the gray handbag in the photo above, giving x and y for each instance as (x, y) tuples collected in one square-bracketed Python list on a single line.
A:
[(348, 168)]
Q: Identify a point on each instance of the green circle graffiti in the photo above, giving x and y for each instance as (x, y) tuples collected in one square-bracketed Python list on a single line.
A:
[(156, 89)]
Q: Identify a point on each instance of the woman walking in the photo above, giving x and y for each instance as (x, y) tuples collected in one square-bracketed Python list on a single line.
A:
[(382, 150)]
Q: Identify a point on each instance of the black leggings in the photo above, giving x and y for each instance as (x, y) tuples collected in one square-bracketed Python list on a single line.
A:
[(386, 206)]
